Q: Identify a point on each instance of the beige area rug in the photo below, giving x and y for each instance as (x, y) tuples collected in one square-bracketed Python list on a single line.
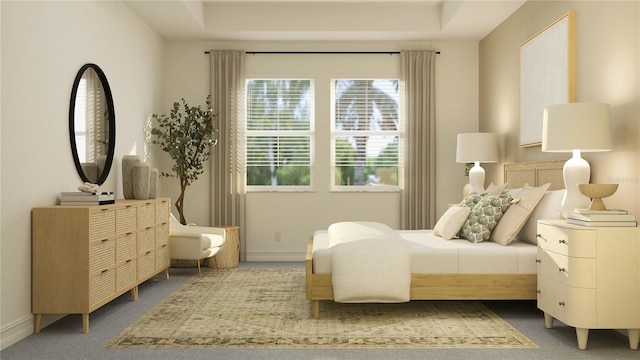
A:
[(266, 308)]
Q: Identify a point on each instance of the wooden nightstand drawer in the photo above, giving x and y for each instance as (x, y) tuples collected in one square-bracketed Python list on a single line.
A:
[(571, 271), (567, 241)]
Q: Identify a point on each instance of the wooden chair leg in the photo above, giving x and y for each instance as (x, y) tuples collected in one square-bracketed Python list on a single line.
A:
[(199, 271)]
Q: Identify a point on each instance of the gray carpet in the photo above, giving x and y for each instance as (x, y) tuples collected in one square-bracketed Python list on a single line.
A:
[(65, 339)]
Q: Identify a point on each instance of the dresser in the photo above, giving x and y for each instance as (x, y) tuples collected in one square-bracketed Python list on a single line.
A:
[(589, 278), (85, 256)]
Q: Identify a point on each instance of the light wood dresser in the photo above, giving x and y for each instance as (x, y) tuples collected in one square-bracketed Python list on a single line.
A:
[(85, 256), (589, 278)]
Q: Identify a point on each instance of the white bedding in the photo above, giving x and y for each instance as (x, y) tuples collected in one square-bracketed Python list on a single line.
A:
[(430, 254)]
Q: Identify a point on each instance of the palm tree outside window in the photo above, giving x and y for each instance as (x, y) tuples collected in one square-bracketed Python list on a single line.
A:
[(366, 129)]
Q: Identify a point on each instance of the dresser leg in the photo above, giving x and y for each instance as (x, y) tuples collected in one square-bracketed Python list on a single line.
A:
[(134, 293), (583, 336), (634, 338), (548, 321), (85, 323), (39, 323)]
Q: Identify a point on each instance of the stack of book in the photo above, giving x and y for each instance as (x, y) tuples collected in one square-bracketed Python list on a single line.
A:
[(607, 217), (80, 198)]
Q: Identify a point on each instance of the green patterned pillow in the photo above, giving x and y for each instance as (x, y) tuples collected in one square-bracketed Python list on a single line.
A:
[(484, 217), (471, 200)]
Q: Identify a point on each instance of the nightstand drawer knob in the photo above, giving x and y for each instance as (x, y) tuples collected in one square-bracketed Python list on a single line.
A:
[(561, 303), (562, 269), (562, 241)]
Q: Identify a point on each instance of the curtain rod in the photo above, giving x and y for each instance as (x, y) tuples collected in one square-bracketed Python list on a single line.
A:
[(322, 52)]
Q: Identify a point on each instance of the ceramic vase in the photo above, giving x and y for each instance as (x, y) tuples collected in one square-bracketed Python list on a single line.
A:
[(153, 183), (128, 162), (140, 174)]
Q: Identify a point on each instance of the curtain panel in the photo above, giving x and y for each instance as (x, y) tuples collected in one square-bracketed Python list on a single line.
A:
[(418, 195), (227, 159)]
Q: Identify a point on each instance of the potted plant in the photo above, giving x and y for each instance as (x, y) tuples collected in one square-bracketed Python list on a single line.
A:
[(188, 136)]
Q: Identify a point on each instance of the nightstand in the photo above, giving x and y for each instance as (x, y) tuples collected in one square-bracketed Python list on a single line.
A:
[(589, 278)]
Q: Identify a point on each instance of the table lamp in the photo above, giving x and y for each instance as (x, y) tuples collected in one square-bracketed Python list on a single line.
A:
[(477, 148), (576, 128)]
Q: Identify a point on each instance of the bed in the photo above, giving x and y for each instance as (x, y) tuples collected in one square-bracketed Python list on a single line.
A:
[(457, 269)]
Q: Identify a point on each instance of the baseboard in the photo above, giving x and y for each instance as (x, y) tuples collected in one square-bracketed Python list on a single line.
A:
[(20, 329), (16, 331), (272, 256)]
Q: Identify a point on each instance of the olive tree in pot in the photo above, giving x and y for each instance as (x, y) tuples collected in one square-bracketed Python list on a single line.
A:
[(187, 135)]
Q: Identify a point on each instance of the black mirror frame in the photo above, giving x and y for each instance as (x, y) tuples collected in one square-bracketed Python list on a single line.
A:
[(112, 124)]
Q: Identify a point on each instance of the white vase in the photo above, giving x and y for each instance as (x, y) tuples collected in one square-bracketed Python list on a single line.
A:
[(140, 174), (128, 162)]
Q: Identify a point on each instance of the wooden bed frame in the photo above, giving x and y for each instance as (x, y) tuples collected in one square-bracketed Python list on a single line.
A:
[(460, 286)]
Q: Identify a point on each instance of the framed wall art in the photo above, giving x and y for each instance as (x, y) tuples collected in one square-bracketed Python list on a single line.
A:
[(547, 75)]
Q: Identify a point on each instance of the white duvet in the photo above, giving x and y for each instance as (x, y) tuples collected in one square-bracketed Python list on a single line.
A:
[(370, 262)]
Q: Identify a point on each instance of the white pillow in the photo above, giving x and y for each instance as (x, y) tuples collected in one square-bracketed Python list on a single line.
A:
[(451, 222), (495, 189), (517, 214), (549, 208)]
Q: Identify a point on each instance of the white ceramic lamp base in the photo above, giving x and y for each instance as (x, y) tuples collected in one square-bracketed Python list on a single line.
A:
[(575, 171), (476, 179)]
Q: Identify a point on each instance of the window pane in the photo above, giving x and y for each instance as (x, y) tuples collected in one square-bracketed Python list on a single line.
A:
[(365, 133), (279, 132)]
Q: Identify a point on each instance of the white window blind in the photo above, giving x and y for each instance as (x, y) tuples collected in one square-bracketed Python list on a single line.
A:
[(365, 137), (279, 134)]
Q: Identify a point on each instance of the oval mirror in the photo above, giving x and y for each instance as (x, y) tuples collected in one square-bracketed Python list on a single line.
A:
[(92, 124)]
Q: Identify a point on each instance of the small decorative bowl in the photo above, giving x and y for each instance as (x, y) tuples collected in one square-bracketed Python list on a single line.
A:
[(597, 192)]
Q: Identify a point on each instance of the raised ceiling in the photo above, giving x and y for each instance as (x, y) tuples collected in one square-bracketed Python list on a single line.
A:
[(323, 20)]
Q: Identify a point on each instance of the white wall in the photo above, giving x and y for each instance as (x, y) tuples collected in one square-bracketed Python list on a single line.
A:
[(297, 215), (44, 44)]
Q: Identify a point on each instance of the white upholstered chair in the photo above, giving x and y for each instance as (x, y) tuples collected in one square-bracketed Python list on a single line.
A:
[(190, 242)]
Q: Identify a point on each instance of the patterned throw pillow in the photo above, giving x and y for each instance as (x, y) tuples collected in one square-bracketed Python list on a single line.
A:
[(471, 200), (484, 217)]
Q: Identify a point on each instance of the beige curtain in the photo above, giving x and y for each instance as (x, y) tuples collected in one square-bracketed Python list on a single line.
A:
[(227, 160), (418, 196)]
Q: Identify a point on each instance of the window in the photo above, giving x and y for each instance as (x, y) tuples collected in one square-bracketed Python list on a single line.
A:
[(365, 135), (279, 134)]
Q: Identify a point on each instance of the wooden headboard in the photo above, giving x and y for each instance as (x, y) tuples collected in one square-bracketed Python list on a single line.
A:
[(535, 173)]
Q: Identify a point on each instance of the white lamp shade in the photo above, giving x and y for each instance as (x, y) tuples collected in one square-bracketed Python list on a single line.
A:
[(576, 126), (480, 147)]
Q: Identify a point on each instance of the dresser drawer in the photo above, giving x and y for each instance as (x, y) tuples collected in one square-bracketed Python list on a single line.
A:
[(102, 287), (146, 265), (146, 240), (573, 306), (126, 275), (126, 219), (571, 271), (146, 215), (126, 247), (162, 212), (102, 255), (102, 223), (567, 241), (162, 258), (162, 235)]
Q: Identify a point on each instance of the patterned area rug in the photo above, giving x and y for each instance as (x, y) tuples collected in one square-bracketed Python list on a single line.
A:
[(266, 308)]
